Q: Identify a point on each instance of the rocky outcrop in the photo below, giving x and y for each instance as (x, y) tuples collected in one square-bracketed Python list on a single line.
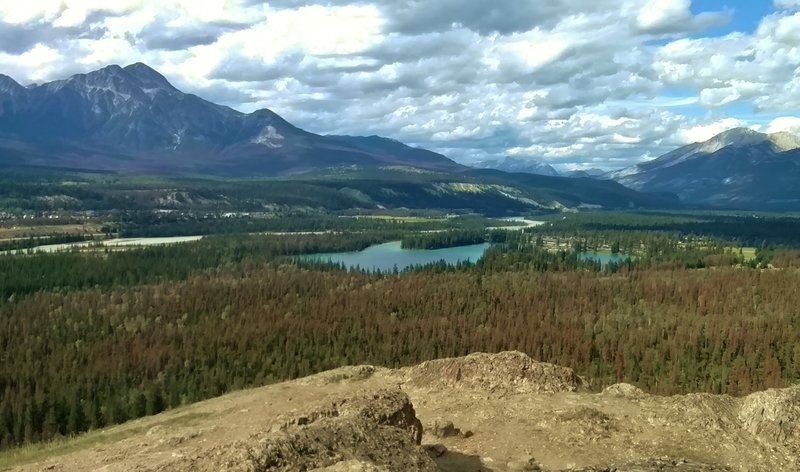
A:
[(773, 415), (502, 373), (375, 431)]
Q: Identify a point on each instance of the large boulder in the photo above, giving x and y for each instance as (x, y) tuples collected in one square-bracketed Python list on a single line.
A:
[(372, 431)]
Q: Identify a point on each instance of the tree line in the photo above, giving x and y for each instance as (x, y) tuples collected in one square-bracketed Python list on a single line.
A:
[(89, 358)]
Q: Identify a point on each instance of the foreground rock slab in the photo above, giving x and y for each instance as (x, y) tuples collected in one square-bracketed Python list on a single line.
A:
[(483, 412)]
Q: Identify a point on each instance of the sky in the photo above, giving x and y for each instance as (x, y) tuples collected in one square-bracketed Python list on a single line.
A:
[(573, 83)]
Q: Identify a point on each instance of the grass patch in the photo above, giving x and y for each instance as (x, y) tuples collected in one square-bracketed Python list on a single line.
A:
[(32, 453)]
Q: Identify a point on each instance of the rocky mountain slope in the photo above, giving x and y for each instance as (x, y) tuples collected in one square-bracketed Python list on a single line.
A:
[(514, 164), (738, 168), (132, 119), (483, 412)]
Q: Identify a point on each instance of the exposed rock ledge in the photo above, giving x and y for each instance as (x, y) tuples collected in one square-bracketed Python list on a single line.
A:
[(482, 412)]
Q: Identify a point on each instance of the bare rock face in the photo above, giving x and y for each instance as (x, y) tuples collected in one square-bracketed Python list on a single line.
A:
[(506, 372), (374, 431), (774, 416), (706, 412), (623, 390)]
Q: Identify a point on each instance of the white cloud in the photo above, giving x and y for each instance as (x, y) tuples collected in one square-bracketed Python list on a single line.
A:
[(698, 134), (39, 61), (106, 51), (787, 4), (657, 15), (785, 123), (315, 30), (75, 13), (535, 53), (312, 31), (30, 11), (787, 30), (237, 11), (718, 97), (675, 16), (761, 66), (579, 83)]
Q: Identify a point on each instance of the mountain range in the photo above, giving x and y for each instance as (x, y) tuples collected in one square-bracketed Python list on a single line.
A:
[(132, 119), (534, 166), (739, 168)]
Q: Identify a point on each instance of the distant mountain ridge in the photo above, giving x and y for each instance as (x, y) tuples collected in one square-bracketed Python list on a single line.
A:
[(591, 173), (131, 118), (739, 168), (516, 164), (537, 167)]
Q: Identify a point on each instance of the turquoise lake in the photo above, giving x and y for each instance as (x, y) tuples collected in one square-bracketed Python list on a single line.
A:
[(385, 257)]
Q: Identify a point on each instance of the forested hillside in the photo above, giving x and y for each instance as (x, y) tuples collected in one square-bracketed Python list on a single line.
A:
[(94, 339)]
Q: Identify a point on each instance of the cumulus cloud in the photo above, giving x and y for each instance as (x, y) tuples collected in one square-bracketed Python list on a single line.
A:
[(670, 16), (31, 60), (787, 4), (600, 83), (789, 124), (740, 66), (700, 133), (716, 97), (160, 35)]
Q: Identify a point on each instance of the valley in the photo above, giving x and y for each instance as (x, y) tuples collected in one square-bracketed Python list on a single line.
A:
[(533, 283), (277, 318)]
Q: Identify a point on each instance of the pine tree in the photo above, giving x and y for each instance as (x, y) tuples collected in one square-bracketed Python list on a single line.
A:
[(76, 421)]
